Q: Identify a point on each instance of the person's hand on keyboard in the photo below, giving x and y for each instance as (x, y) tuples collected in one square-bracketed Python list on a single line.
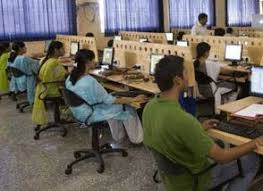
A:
[(259, 142), (210, 124), (140, 99)]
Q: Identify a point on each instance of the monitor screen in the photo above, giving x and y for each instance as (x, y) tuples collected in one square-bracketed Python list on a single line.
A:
[(256, 86), (155, 58), (182, 43), (47, 43), (233, 52), (169, 37), (117, 38), (107, 56), (143, 40), (74, 48)]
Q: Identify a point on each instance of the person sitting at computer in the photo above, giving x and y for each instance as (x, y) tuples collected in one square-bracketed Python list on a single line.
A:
[(229, 32), (220, 32), (202, 76), (4, 56), (51, 70), (180, 137), (28, 66), (200, 28), (90, 34), (107, 107)]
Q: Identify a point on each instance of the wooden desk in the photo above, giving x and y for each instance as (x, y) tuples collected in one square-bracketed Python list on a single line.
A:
[(120, 84), (232, 108), (236, 68), (144, 86)]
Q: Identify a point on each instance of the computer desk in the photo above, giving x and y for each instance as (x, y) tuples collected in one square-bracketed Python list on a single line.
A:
[(118, 83), (229, 109)]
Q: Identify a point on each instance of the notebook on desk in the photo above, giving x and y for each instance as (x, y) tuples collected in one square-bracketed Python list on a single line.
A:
[(252, 112)]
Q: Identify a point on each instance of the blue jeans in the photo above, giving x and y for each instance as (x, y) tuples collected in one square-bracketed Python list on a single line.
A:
[(250, 166)]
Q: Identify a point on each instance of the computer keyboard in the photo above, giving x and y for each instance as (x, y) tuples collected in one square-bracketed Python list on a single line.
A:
[(240, 130), (132, 93)]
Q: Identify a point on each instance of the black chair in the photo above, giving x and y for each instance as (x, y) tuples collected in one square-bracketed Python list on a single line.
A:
[(16, 73), (204, 82), (167, 166), (73, 100), (56, 102)]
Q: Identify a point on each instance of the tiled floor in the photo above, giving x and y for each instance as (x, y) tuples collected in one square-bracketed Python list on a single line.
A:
[(29, 165)]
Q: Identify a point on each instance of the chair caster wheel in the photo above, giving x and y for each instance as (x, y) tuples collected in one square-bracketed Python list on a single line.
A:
[(100, 169), (36, 137), (68, 171), (77, 155), (21, 110), (17, 107), (124, 154), (37, 128)]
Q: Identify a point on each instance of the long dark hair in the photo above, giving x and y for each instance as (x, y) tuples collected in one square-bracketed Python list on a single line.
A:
[(16, 47), (54, 45), (4, 46), (81, 59), (201, 49)]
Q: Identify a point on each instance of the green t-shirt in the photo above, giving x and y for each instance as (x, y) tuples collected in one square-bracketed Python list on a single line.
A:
[(181, 138)]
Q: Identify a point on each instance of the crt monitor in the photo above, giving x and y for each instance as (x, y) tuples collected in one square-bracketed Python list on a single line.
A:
[(117, 38), (155, 58), (74, 48), (233, 52), (256, 86), (182, 43), (169, 37), (47, 43), (108, 56)]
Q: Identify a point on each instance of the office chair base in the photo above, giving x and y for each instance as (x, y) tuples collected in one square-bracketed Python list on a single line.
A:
[(21, 106), (39, 130), (91, 153)]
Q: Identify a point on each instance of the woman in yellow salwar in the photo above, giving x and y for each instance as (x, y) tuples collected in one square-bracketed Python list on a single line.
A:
[(4, 56), (51, 70)]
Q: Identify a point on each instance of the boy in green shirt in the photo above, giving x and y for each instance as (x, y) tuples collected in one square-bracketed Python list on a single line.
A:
[(4, 55), (182, 139)]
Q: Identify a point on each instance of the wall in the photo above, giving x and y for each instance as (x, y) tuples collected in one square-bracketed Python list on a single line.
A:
[(88, 18)]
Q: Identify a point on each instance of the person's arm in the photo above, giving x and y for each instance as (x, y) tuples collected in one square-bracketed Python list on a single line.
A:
[(227, 155)]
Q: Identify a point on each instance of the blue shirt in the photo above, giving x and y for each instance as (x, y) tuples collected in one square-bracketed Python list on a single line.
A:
[(28, 81), (89, 89)]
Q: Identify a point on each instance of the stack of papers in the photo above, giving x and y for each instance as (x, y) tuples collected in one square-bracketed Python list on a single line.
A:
[(252, 111)]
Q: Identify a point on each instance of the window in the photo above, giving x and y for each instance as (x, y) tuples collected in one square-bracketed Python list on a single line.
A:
[(132, 15), (36, 19), (240, 12), (184, 13)]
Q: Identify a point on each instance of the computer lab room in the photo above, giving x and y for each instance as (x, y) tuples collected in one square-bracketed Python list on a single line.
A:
[(131, 95)]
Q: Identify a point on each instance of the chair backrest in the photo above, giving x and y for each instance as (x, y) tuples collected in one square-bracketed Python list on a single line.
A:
[(16, 72), (167, 166), (72, 99)]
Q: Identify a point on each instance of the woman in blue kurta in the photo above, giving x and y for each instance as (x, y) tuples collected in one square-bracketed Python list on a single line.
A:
[(108, 107), (26, 65)]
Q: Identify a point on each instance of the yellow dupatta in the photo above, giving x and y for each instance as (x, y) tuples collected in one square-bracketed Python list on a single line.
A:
[(4, 84), (51, 71)]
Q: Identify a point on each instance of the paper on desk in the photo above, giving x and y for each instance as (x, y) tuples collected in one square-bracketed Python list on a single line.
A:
[(251, 111)]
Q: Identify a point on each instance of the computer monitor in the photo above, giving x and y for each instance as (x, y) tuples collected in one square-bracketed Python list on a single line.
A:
[(117, 38), (233, 52), (155, 58), (256, 86), (169, 37), (143, 40), (108, 56), (47, 43), (74, 48), (182, 43)]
